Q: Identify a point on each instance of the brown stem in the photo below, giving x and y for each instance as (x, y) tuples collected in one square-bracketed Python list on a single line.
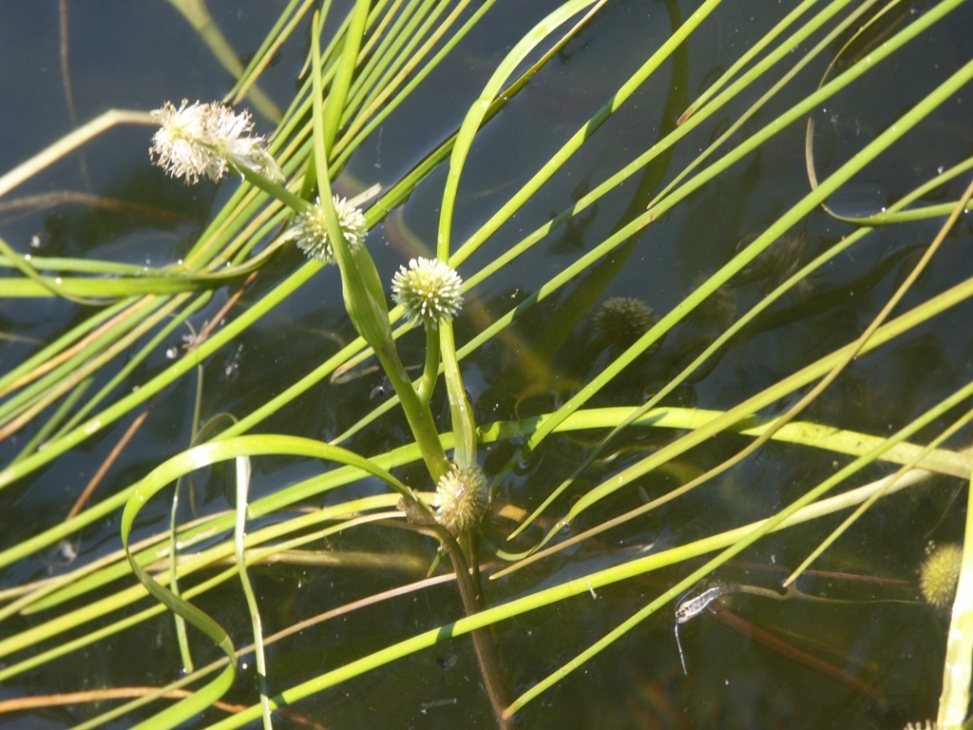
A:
[(107, 464), (486, 651)]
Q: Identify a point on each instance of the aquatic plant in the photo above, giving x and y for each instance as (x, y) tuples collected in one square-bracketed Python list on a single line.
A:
[(466, 477)]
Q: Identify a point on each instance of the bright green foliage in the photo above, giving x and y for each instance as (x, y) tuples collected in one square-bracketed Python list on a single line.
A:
[(373, 60)]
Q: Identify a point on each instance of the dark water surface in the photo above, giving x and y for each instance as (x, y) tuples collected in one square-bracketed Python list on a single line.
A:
[(886, 657)]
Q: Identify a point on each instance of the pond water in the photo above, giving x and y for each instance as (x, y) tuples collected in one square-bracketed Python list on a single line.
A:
[(870, 657)]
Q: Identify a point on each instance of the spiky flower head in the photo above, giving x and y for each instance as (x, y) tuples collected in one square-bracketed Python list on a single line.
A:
[(940, 574), (205, 140), (429, 290), (311, 230), (927, 725), (622, 320), (462, 498)]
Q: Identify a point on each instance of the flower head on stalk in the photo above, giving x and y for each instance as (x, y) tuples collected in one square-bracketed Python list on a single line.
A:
[(462, 498), (429, 290), (311, 230), (206, 140)]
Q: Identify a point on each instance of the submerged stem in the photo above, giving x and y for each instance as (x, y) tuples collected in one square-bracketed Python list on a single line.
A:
[(487, 656)]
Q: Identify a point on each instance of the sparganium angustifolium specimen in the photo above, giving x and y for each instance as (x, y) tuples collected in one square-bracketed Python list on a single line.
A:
[(206, 140), (311, 230), (429, 290), (348, 99), (462, 498)]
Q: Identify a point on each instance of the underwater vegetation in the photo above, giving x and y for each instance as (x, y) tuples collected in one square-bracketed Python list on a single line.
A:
[(600, 363)]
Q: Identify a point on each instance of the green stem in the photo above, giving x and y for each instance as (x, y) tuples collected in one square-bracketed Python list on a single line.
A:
[(242, 494), (365, 298), (285, 196), (342, 78), (416, 411), (460, 410), (430, 371)]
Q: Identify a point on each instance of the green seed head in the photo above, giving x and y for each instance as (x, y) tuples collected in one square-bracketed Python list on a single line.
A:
[(622, 320), (462, 498), (939, 575)]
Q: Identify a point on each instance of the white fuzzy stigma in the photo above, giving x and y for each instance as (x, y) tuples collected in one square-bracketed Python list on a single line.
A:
[(203, 141)]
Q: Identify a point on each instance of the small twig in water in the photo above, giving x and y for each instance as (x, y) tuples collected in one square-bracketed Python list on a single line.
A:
[(107, 464)]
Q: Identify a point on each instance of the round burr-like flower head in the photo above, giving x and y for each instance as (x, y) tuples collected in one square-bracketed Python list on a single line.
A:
[(940, 574), (311, 230), (462, 498), (204, 140), (622, 320), (429, 290)]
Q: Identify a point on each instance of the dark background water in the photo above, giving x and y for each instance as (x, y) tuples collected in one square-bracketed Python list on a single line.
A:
[(138, 55)]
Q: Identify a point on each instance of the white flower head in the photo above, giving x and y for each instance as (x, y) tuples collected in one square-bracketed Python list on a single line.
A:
[(462, 498), (429, 290), (311, 230), (204, 140)]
